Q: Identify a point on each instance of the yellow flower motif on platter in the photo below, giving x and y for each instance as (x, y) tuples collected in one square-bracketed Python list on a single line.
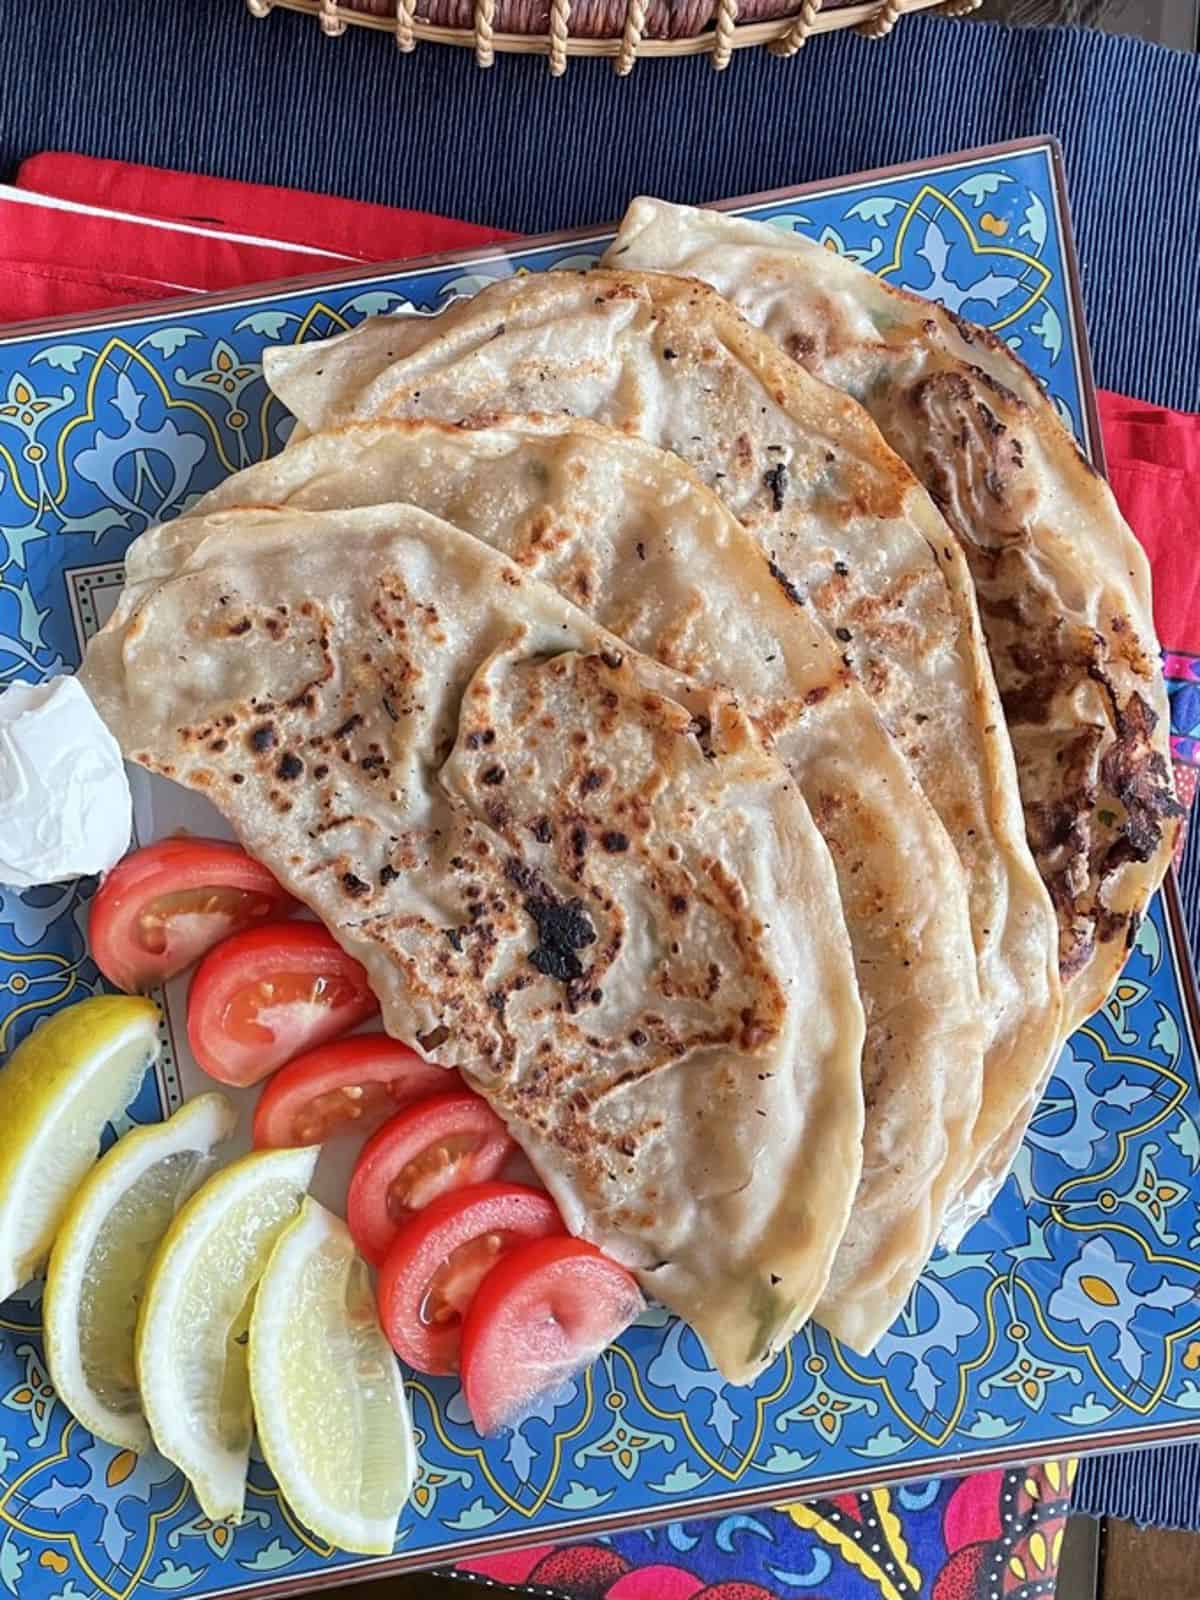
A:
[(1153, 1195), (218, 1536), (623, 1445), (432, 1480), (119, 1468), (22, 403), (1099, 1290)]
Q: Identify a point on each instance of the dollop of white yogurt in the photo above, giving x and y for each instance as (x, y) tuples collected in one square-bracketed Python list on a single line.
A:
[(65, 808)]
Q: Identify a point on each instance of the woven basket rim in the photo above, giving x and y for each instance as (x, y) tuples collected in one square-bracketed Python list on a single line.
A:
[(336, 18)]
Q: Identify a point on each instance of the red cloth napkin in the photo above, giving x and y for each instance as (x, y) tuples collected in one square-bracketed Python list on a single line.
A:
[(1154, 468), (157, 234), (343, 227), (163, 233), (346, 228), (57, 261)]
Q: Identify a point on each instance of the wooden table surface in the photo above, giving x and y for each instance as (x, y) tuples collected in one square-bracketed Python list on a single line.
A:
[(1150, 1565), (1173, 22)]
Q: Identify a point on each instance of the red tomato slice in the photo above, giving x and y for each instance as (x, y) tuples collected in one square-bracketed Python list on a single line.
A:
[(342, 1087), (265, 995), (544, 1312), (162, 907), (429, 1149), (439, 1257)]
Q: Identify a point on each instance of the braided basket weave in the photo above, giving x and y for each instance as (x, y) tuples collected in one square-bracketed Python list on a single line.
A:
[(623, 29)]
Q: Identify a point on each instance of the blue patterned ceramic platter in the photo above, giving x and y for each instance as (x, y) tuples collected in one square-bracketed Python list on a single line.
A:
[(1069, 1318)]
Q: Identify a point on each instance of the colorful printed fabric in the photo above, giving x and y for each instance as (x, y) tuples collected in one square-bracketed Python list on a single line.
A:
[(992, 1536), (1183, 686)]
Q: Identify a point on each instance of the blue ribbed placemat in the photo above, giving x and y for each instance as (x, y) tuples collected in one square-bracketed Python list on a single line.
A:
[(201, 86), (1156, 1487), (205, 87)]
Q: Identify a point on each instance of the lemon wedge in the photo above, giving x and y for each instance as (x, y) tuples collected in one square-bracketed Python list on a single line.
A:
[(191, 1335), (58, 1089), (333, 1422), (102, 1254)]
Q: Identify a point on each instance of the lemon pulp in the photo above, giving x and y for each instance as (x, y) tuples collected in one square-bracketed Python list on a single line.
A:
[(101, 1258), (58, 1090), (191, 1337), (333, 1421)]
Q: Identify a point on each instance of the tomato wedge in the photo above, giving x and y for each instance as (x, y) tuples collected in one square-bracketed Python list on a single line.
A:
[(265, 995), (439, 1257), (429, 1149), (161, 908), (545, 1311), (343, 1087)]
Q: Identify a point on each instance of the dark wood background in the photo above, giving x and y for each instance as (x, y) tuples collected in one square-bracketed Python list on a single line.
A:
[(1150, 1565)]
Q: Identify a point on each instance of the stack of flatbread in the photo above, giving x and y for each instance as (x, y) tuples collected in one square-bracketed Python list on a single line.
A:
[(720, 707)]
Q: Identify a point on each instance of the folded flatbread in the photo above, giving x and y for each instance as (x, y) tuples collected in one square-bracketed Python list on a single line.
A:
[(1063, 585), (569, 871), (847, 530), (631, 534)]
